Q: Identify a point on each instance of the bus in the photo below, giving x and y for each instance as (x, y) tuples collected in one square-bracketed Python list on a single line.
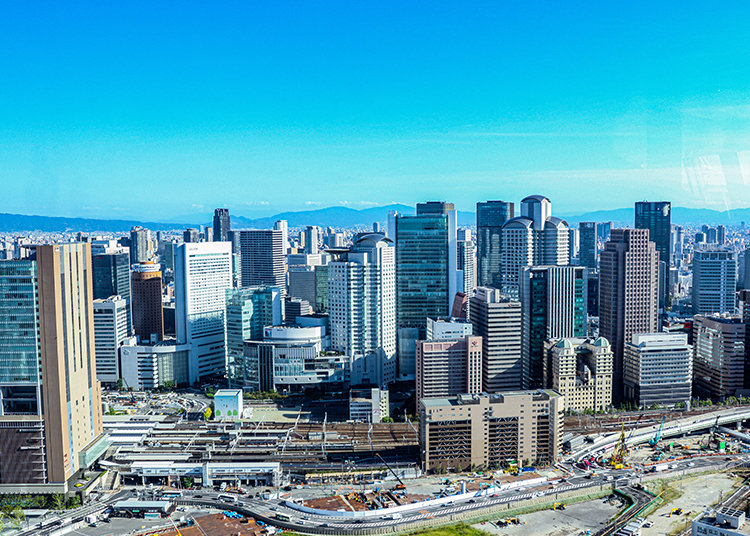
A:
[(283, 517), (228, 498), (171, 494)]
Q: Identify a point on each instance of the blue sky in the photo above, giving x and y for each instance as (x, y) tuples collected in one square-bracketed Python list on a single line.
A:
[(156, 110)]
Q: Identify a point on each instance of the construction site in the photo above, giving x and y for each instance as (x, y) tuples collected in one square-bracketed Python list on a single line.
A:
[(655, 454)]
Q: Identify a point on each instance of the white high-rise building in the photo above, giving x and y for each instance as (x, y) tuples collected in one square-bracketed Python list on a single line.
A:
[(203, 273), (283, 226), (535, 237), (362, 308), (714, 279), (110, 331)]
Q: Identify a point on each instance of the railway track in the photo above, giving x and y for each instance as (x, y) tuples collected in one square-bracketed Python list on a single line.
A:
[(640, 500)]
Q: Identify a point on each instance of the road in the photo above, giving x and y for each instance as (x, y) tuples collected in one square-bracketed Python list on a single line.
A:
[(675, 428)]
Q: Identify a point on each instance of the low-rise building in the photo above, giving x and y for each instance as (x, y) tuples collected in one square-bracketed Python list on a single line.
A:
[(581, 371), (152, 366), (658, 369), (228, 404), (473, 430), (368, 405), (724, 522)]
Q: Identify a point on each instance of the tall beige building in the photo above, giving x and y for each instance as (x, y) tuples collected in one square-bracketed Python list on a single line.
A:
[(628, 293), (47, 355), (488, 431), (581, 371), (449, 367), (497, 319)]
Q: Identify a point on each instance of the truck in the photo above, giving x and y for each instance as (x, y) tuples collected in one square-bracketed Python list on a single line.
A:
[(91, 519), (660, 467)]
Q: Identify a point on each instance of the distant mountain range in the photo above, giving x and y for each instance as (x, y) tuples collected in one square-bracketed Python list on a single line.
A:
[(343, 217), (10, 223)]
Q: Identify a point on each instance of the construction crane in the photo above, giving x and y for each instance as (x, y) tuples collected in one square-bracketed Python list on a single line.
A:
[(619, 455), (401, 484), (657, 436)]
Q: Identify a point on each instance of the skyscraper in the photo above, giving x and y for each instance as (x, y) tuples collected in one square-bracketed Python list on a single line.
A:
[(536, 237), (140, 245), (628, 293), (497, 319), (222, 225), (283, 226), (465, 267), (148, 313), (449, 367), (50, 423), (203, 274), (311, 240), (426, 256), (362, 305), (656, 216), (248, 311), (554, 304), (110, 332), (110, 270), (589, 251), (191, 235), (491, 216), (714, 279), (719, 355), (262, 258)]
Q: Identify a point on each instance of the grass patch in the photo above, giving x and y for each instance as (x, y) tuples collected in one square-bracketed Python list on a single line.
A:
[(461, 529)]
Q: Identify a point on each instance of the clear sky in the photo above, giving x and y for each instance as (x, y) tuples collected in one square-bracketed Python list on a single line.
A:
[(156, 110)]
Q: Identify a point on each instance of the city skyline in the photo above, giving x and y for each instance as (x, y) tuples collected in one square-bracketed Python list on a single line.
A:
[(352, 105)]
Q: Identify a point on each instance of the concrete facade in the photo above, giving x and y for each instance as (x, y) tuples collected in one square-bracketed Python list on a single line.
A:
[(488, 431)]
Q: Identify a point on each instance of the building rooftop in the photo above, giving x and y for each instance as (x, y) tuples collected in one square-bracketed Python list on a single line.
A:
[(228, 392)]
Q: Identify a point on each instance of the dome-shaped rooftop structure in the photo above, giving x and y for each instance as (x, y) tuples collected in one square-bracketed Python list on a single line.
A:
[(601, 341)]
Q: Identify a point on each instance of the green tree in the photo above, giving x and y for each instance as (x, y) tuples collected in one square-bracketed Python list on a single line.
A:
[(120, 384), (387, 419), (207, 414), (74, 502), (187, 481), (57, 501)]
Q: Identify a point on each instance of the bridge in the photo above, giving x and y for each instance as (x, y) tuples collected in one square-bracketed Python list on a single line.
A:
[(679, 427)]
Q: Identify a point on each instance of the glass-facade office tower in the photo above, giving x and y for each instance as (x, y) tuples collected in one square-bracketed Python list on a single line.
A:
[(362, 308), (203, 274), (222, 225), (261, 257), (588, 253), (554, 304), (628, 293), (656, 216), (50, 401), (111, 277), (426, 259), (491, 216), (248, 311), (714, 279)]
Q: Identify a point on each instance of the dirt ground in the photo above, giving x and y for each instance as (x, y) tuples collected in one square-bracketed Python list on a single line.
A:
[(697, 493), (575, 519)]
